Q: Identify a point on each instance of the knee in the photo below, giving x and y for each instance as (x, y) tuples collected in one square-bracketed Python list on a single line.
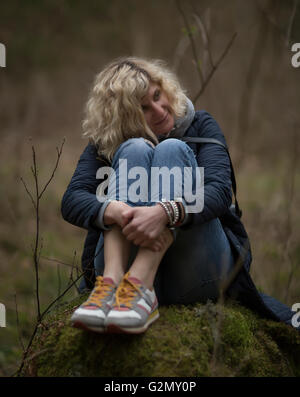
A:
[(173, 152), (134, 144), (134, 148), (172, 145)]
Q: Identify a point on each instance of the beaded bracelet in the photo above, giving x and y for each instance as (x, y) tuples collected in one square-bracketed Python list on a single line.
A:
[(175, 212), (182, 214), (167, 211)]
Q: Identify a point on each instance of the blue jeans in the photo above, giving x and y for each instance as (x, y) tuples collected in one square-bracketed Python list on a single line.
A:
[(200, 258)]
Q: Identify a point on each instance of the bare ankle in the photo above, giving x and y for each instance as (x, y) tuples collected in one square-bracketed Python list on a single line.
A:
[(146, 282), (115, 277)]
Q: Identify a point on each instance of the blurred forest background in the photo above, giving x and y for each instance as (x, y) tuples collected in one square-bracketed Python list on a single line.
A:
[(55, 48)]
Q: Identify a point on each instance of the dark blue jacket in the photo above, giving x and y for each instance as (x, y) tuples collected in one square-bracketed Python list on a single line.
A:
[(80, 207)]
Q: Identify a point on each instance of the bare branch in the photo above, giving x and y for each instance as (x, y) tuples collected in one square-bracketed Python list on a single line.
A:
[(36, 249), (59, 151), (57, 261), (41, 246), (61, 295), (59, 278), (18, 325), (27, 350), (193, 45), (290, 197), (28, 192), (213, 70), (289, 30), (38, 354), (39, 322), (205, 39), (225, 284), (35, 173)]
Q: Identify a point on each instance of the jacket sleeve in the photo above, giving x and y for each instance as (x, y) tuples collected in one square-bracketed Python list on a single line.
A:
[(79, 204), (217, 171)]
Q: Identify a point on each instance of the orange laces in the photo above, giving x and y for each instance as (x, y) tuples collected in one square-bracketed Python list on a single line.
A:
[(100, 291), (126, 291)]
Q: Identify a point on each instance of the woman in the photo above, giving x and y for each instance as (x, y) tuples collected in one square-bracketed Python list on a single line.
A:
[(151, 246)]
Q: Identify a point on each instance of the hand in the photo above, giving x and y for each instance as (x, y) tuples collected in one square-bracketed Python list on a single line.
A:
[(161, 243), (117, 212), (146, 224)]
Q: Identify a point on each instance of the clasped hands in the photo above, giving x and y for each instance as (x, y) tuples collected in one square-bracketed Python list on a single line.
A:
[(143, 226)]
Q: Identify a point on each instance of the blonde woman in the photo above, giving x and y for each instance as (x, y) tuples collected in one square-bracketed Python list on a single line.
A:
[(145, 246)]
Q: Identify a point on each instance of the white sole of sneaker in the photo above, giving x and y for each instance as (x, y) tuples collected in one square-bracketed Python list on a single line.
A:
[(116, 329), (80, 325)]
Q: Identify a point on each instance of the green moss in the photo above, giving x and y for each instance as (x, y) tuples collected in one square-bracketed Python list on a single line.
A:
[(195, 340)]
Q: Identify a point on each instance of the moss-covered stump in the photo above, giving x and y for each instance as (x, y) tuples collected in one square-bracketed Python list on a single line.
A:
[(195, 340)]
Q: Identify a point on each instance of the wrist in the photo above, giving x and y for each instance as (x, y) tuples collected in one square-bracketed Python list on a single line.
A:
[(109, 213), (174, 211), (162, 213)]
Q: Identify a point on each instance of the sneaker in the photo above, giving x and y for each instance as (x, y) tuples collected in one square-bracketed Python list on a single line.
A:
[(134, 309), (92, 313)]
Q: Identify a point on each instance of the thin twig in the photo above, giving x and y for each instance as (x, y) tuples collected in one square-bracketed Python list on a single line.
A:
[(237, 267), (59, 151), (39, 322), (289, 30), (71, 273), (59, 279), (61, 295), (38, 353), (36, 250), (37, 233), (205, 40), (291, 180), (77, 272), (214, 68), (40, 250), (193, 45), (28, 192), (58, 261), (225, 284), (18, 325), (18, 373), (36, 203)]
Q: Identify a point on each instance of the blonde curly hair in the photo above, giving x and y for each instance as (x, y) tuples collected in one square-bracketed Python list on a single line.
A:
[(113, 111)]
